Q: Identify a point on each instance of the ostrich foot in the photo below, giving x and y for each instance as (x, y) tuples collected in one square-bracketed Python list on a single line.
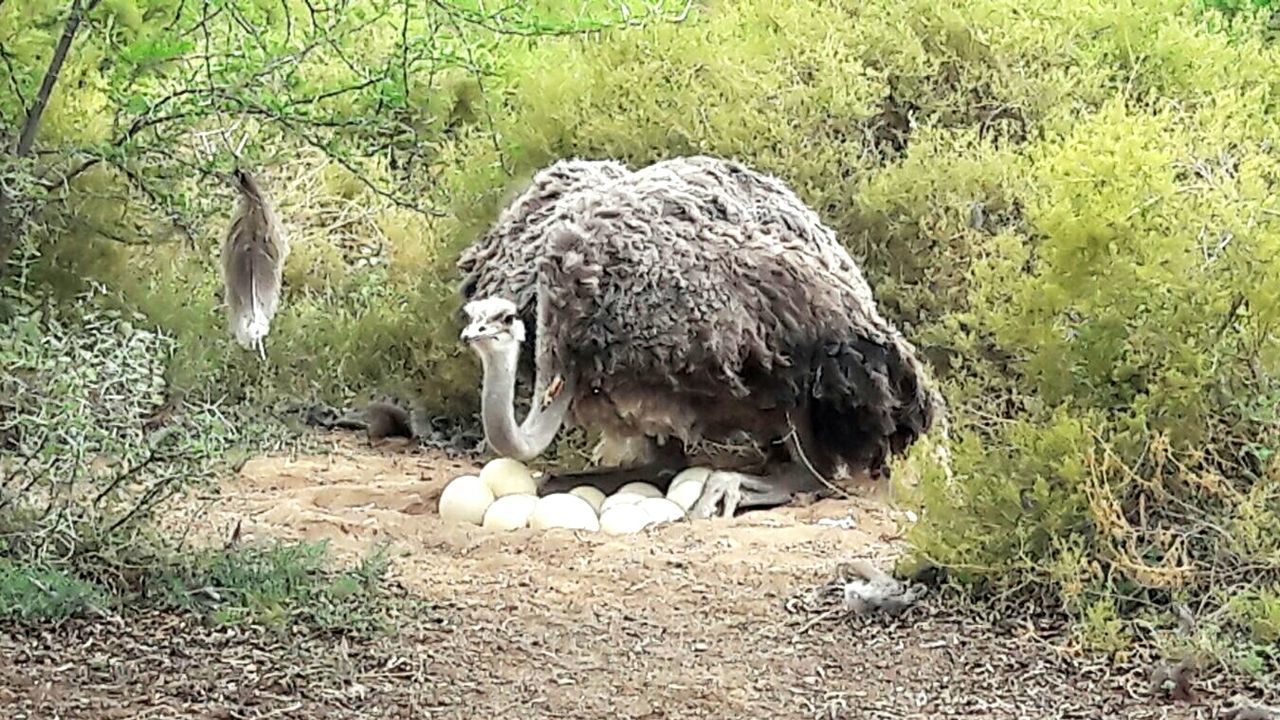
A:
[(740, 490)]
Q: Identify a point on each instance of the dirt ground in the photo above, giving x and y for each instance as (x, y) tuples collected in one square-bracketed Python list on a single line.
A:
[(708, 619)]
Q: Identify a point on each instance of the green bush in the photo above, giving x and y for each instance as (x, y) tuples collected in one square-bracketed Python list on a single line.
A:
[(1071, 208), (31, 592)]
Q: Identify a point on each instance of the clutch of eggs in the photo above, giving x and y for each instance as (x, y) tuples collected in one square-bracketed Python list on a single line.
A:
[(504, 496)]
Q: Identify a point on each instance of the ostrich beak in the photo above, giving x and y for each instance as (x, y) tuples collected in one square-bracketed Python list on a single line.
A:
[(472, 333)]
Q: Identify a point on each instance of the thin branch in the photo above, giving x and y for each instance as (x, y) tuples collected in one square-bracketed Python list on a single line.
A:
[(359, 175), (27, 139), (115, 237), (311, 11), (158, 202), (177, 16), (288, 21), (247, 27), (151, 458), (328, 94), (146, 503), (139, 124), (13, 75), (404, 51), (478, 73)]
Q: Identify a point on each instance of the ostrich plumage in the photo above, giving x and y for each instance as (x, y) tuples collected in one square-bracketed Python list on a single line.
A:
[(252, 260), (696, 299)]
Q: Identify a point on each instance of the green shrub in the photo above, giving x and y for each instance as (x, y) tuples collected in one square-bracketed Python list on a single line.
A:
[(1070, 207), (94, 442)]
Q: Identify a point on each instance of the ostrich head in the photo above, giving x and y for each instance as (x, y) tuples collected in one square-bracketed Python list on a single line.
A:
[(494, 332), (492, 326)]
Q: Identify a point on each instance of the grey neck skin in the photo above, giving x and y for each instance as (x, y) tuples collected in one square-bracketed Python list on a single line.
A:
[(529, 439)]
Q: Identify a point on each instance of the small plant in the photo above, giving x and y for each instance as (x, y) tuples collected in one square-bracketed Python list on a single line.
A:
[(30, 593), (279, 585)]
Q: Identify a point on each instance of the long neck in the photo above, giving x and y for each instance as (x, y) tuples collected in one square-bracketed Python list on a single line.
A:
[(529, 439)]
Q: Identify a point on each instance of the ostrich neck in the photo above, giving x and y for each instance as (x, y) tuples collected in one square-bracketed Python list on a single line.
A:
[(529, 439)]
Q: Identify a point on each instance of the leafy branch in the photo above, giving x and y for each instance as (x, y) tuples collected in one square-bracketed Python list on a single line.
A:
[(356, 80)]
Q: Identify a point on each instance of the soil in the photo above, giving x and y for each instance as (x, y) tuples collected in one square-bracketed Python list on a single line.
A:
[(710, 619)]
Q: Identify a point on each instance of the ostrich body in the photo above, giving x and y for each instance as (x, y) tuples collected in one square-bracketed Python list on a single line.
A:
[(253, 255), (691, 300)]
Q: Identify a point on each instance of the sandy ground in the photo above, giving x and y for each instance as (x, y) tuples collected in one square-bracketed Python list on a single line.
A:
[(356, 499), (709, 619)]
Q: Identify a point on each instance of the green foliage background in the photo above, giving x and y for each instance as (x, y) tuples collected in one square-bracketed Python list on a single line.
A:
[(1072, 208)]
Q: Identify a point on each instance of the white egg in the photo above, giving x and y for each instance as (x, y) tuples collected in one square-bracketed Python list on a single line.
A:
[(685, 494), (465, 500), (591, 494), (687, 487), (562, 510), (661, 510), (624, 520), (620, 498), (643, 489), (691, 474), (509, 512), (505, 476)]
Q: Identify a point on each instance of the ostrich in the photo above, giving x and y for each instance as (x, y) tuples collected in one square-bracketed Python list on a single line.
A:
[(253, 254), (692, 300)]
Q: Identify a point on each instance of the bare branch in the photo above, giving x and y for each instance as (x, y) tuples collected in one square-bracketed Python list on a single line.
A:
[(328, 94), (147, 502), (158, 202), (404, 50), (288, 20), (61, 182), (32, 126), (177, 16), (13, 75), (359, 175)]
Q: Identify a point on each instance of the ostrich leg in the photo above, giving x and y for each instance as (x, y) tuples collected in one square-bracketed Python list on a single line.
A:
[(778, 486), (670, 460)]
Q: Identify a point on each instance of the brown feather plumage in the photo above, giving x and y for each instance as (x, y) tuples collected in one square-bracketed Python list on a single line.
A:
[(253, 255)]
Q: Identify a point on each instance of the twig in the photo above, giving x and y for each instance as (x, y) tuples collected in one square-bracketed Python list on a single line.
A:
[(794, 436), (151, 195), (13, 76), (32, 126), (146, 502), (150, 459), (819, 618)]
